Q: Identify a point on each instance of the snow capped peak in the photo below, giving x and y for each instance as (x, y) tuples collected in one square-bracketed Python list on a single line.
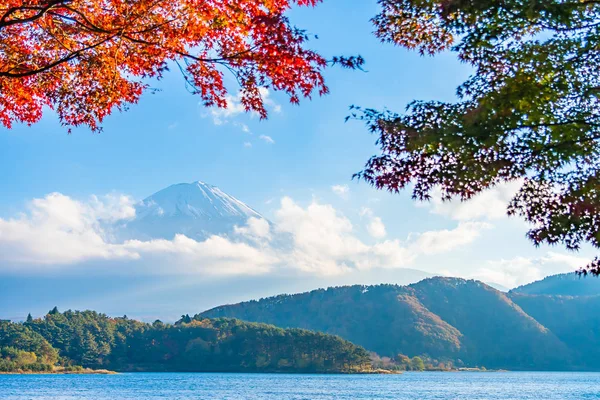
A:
[(201, 183), (196, 200), (196, 209)]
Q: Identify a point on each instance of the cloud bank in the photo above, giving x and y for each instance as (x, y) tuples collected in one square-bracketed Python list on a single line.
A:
[(58, 231), (521, 270), (490, 204)]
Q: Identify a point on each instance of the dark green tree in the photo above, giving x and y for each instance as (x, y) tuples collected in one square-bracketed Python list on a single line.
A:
[(185, 319), (158, 324), (530, 112), (417, 364)]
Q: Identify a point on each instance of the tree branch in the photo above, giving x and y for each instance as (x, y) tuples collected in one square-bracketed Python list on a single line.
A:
[(71, 56), (5, 22)]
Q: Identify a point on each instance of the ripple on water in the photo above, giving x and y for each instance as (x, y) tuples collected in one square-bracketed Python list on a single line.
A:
[(422, 386)]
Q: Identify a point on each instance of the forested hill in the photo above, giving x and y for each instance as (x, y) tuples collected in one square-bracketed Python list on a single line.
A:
[(574, 320), (387, 319), (570, 284), (96, 341), (568, 305), (466, 322)]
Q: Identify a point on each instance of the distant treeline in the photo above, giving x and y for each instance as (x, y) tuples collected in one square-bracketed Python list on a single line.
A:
[(94, 340)]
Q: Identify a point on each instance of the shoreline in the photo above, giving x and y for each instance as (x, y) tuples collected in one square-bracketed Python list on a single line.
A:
[(63, 372), (382, 372), (107, 372)]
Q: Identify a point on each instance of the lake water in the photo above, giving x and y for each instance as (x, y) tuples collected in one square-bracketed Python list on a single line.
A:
[(422, 386)]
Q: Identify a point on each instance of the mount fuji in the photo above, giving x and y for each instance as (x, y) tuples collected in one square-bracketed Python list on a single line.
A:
[(197, 210)]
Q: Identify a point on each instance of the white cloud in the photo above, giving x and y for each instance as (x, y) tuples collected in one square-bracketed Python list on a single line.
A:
[(441, 241), (60, 230), (248, 145), (341, 190), (111, 208), (257, 228), (490, 204), (570, 261), (392, 254), (509, 273), (375, 226), (325, 242), (267, 139), (213, 256), (235, 108), (245, 128), (522, 270), (366, 211), (317, 239), (318, 229)]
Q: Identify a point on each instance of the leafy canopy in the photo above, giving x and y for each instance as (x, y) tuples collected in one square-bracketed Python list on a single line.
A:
[(85, 58), (94, 340), (529, 113)]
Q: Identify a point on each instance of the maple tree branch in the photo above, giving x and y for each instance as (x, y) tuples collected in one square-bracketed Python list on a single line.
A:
[(218, 60), (5, 22), (72, 56), (86, 24)]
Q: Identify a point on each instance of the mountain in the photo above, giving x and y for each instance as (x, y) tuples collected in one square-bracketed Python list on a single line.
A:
[(569, 284), (568, 305), (387, 319), (575, 320), (197, 210), (496, 332), (444, 318)]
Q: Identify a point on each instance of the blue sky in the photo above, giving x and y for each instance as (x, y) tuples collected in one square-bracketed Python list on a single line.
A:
[(165, 139), (300, 152)]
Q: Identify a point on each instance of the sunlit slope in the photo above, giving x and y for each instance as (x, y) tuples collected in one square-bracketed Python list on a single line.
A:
[(445, 318), (387, 319)]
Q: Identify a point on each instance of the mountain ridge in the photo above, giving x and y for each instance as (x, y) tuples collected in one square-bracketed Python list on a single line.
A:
[(455, 319), (567, 284)]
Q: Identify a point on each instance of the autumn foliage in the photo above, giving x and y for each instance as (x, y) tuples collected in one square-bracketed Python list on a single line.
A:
[(529, 113), (86, 58)]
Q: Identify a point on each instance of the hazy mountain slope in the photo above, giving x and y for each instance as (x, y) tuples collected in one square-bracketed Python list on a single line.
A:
[(569, 284), (498, 287), (574, 320), (387, 319), (197, 210), (497, 332), (442, 317)]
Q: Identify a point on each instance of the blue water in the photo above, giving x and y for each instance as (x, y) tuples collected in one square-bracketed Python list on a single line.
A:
[(422, 386)]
